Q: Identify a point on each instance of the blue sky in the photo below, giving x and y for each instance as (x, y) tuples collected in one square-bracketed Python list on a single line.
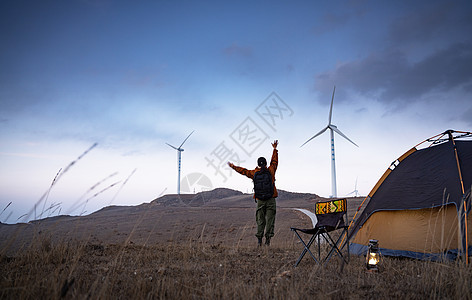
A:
[(131, 76)]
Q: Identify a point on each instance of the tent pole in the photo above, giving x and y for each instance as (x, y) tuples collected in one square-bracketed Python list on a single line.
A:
[(381, 180), (463, 220), (441, 135)]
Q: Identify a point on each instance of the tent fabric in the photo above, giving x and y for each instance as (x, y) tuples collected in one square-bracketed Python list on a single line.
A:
[(424, 179), (422, 233)]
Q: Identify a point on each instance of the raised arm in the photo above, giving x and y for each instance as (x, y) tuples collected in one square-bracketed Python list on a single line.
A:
[(274, 161), (241, 170)]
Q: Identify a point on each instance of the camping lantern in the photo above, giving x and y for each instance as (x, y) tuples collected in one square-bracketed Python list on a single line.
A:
[(373, 256)]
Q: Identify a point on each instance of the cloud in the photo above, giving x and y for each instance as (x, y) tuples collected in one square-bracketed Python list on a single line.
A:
[(28, 155), (424, 57), (467, 116), (330, 22), (421, 25), (389, 77), (236, 50), (432, 23), (142, 78)]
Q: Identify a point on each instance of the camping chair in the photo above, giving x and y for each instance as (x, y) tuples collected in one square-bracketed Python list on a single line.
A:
[(332, 217)]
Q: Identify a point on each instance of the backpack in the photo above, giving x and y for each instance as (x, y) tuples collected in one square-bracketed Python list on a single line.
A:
[(263, 185)]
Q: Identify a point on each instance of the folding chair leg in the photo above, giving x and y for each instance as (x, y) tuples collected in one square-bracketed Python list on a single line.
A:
[(306, 248), (335, 248), (345, 244), (332, 217)]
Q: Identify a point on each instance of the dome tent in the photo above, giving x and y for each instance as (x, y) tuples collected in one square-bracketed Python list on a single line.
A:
[(420, 207)]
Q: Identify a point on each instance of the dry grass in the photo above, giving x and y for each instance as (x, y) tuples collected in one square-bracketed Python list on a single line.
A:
[(155, 252), (199, 270)]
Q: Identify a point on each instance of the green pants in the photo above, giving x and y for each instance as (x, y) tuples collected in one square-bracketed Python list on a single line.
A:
[(265, 217)]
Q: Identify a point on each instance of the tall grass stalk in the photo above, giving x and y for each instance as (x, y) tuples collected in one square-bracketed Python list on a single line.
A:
[(96, 194), (6, 219), (122, 186), (5, 208), (44, 198), (59, 175), (46, 195), (79, 201)]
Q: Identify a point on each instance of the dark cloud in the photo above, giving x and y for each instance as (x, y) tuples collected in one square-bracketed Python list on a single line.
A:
[(390, 77), (426, 50), (418, 26)]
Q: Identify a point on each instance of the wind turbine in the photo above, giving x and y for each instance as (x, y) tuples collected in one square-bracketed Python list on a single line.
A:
[(355, 192), (179, 158), (332, 129)]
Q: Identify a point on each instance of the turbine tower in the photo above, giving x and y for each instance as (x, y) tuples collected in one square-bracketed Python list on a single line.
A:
[(332, 129), (355, 192), (179, 158)]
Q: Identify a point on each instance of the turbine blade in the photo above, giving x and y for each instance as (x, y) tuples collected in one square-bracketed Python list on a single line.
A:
[(171, 146), (186, 139), (323, 130), (331, 108), (342, 134)]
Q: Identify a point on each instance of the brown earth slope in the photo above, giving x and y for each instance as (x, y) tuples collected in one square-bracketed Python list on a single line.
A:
[(221, 216)]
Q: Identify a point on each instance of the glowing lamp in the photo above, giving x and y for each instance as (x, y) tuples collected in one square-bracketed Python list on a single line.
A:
[(373, 256)]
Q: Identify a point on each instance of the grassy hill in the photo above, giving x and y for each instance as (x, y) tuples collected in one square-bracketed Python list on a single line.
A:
[(200, 246)]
